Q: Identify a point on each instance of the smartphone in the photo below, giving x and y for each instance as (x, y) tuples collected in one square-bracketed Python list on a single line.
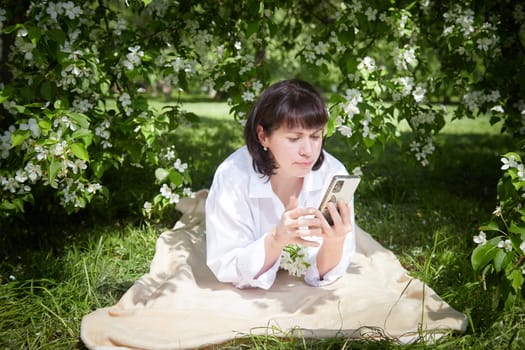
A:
[(341, 187)]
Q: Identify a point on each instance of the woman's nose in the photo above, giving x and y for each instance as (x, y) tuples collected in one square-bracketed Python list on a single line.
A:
[(306, 148)]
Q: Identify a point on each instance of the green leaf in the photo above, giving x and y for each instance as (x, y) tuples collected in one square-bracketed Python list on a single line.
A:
[(4, 95), (482, 255), (176, 178), (47, 90), (516, 279), (491, 226), (13, 28), (8, 206), (501, 260), (79, 150), (251, 27), (104, 87), (18, 137), (85, 134), (54, 168), (514, 228), (161, 174), (57, 35), (80, 119)]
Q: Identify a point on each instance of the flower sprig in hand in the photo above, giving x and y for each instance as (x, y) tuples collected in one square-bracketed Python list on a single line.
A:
[(294, 260)]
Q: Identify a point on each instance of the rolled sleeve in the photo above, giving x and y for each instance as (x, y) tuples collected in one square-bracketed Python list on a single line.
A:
[(235, 253), (312, 276)]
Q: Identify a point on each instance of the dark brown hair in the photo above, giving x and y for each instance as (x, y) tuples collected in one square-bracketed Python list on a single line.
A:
[(294, 102)]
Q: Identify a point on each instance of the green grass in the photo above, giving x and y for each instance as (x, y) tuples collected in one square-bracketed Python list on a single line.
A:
[(52, 274)]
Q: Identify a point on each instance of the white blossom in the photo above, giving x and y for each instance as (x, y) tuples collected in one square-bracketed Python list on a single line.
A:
[(371, 14), (120, 26), (167, 193), (248, 96), (181, 167), (227, 85), (125, 99), (353, 95), (484, 43), (32, 126), (498, 109), (21, 176), (472, 100), (54, 9), (367, 65), (407, 85), (481, 238), (133, 57), (70, 10), (345, 130), (148, 207), (419, 93), (321, 48), (509, 162), (82, 105), (170, 154), (506, 244), (94, 187), (34, 171), (187, 192)]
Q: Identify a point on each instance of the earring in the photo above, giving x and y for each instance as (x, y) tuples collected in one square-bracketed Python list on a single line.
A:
[(265, 149)]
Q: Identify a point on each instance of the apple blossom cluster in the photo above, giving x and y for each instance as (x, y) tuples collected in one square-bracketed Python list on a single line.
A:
[(66, 8), (461, 22), (67, 179), (504, 244), (475, 99), (510, 163), (423, 149), (423, 117), (133, 57), (167, 192), (510, 243), (405, 58), (253, 90), (102, 131)]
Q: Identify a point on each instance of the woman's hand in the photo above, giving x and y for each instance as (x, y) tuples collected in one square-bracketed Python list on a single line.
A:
[(333, 236), (341, 217), (297, 223)]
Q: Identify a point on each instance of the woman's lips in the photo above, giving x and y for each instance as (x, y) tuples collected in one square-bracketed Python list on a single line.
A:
[(304, 164)]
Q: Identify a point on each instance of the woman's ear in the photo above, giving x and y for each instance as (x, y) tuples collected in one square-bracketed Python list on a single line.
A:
[(261, 135)]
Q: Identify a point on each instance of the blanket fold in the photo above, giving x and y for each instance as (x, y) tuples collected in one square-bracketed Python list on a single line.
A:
[(179, 304)]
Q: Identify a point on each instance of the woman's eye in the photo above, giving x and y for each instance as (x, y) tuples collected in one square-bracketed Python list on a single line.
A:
[(293, 139), (316, 137)]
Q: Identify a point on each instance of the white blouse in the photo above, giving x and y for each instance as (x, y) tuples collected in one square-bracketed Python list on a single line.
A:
[(241, 209)]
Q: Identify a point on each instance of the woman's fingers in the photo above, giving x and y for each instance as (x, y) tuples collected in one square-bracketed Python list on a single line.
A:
[(334, 213), (344, 211)]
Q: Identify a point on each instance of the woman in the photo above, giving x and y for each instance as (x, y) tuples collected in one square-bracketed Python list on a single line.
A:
[(265, 195)]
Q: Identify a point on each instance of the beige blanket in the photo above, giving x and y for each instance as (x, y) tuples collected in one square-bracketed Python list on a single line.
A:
[(179, 304)]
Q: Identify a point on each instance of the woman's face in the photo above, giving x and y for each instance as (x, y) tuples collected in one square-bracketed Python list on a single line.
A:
[(295, 150)]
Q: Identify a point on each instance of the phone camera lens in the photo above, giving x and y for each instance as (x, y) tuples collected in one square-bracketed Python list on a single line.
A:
[(338, 186)]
